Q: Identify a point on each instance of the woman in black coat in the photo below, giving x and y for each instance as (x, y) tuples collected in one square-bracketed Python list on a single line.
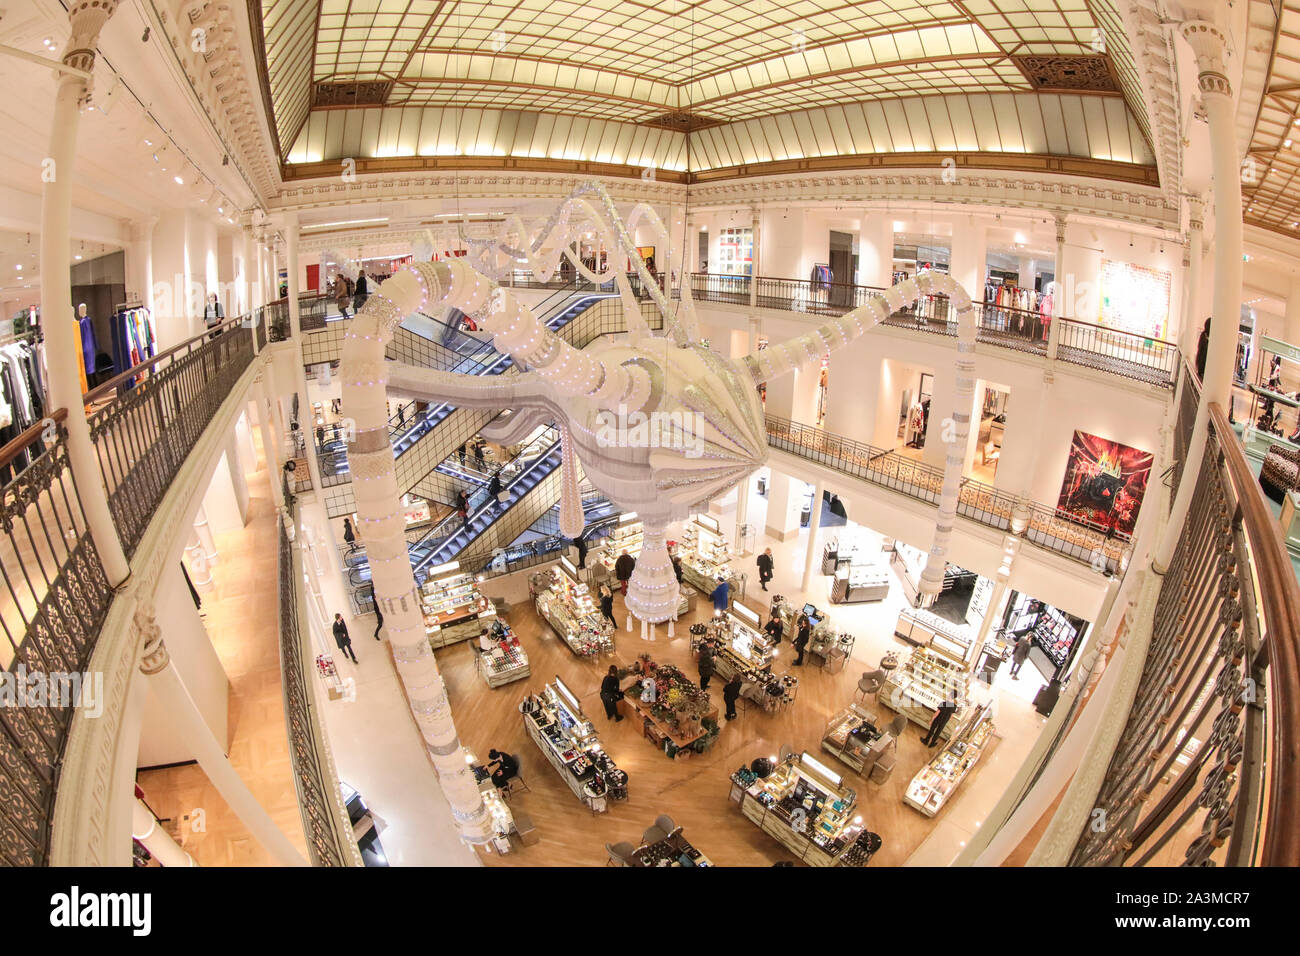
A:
[(774, 629), (609, 691), (607, 604), (706, 664)]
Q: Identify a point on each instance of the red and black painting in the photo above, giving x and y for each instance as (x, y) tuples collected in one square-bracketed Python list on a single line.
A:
[(1104, 483)]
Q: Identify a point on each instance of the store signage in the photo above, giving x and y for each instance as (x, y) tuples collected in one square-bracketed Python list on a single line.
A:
[(568, 696), (745, 614), (817, 766), (1285, 349)]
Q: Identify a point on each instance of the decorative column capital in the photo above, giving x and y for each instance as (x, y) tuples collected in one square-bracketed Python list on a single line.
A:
[(155, 657), (87, 18), (1060, 219), (1208, 42), (1195, 212)]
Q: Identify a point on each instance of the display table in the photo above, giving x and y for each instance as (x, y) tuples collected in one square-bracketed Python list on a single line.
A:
[(855, 737), (705, 557), (924, 680), (504, 663), (667, 721), (921, 627), (936, 782), (570, 609), (554, 722), (805, 807), (858, 583), (741, 648), (673, 850)]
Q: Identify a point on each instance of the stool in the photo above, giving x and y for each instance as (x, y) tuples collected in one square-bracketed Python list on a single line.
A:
[(883, 767), (514, 785)]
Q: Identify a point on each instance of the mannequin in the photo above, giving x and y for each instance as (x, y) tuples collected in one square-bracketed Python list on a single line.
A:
[(89, 347)]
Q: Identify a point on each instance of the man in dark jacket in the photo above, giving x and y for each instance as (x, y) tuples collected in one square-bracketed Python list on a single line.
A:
[(623, 569), (801, 638), (342, 638), (581, 544), (765, 568), (941, 717), (730, 694), (494, 486), (706, 664), (610, 694)]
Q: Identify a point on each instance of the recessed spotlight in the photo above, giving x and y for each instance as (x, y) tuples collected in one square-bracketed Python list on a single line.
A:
[(179, 181), (76, 257), (19, 268)]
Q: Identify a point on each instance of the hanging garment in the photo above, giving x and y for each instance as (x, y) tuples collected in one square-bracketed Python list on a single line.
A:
[(88, 344)]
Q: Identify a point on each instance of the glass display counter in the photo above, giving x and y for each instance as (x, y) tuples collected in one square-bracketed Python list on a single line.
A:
[(856, 738), (570, 608), (504, 661), (554, 721), (503, 821), (741, 647), (705, 556), (936, 782)]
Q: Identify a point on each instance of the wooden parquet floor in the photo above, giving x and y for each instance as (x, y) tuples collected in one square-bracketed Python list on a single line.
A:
[(693, 791)]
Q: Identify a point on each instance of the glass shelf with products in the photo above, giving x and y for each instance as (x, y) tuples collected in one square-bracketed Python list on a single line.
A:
[(628, 535), (931, 788), (704, 555), (453, 607)]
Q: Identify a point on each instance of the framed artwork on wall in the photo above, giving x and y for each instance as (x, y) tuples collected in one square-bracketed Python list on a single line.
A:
[(1134, 299), (1104, 483)]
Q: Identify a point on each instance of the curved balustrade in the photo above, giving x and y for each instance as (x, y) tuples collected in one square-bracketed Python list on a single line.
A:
[(1207, 769), (977, 501)]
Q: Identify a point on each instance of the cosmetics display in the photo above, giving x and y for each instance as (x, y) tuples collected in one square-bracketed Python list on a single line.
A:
[(740, 647), (927, 678), (503, 821), (935, 783), (570, 608), (672, 850), (704, 554), (857, 738), (672, 710), (454, 610), (507, 661), (555, 722), (805, 807)]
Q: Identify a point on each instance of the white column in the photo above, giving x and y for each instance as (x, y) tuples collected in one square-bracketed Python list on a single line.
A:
[(62, 334), (814, 525), (190, 725), (1292, 325), (876, 249), (139, 261), (146, 829), (756, 224), (1192, 317), (245, 271), (1058, 292), (783, 493), (204, 532), (291, 254), (1209, 42), (270, 446), (238, 475), (968, 263)]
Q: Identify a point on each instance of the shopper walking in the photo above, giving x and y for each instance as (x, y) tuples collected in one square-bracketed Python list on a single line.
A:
[(1020, 654), (461, 452), (379, 620), (730, 694), (580, 543), (349, 536), (940, 720), (342, 638), (677, 569), (706, 664), (774, 629), (801, 637), (610, 694), (765, 567), (341, 296), (479, 444), (607, 604), (494, 487), (1202, 350), (623, 569), (362, 292)]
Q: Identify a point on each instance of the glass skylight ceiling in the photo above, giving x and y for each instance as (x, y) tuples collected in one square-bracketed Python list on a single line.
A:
[(723, 60)]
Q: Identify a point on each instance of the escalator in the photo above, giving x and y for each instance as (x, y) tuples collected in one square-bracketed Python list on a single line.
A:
[(424, 437)]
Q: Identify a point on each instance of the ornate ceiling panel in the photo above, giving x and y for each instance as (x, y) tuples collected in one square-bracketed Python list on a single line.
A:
[(1270, 107), (715, 65)]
